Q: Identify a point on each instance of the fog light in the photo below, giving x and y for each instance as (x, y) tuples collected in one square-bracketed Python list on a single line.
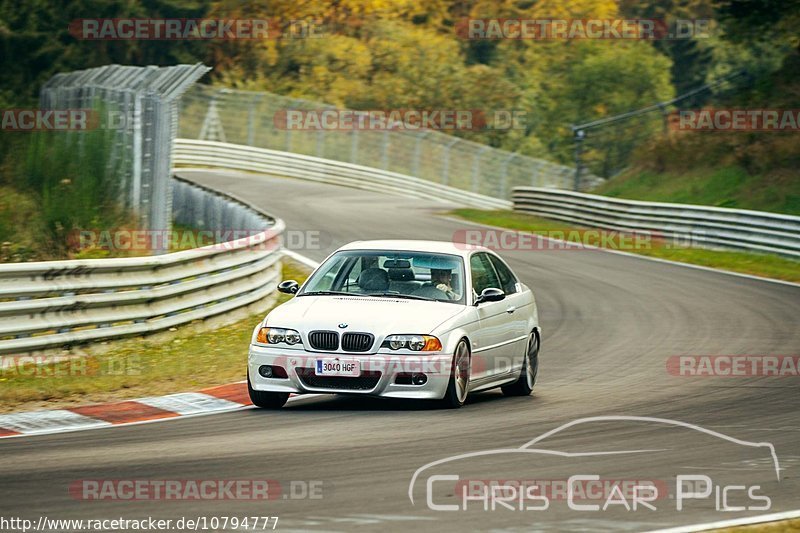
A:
[(265, 371), (419, 379)]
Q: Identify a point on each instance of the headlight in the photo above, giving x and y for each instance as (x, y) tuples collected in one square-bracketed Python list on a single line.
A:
[(417, 343), (278, 336)]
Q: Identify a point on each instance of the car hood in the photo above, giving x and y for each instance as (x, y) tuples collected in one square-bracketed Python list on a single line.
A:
[(380, 316)]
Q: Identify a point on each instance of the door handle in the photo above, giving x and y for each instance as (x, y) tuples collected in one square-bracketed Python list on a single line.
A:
[(510, 309)]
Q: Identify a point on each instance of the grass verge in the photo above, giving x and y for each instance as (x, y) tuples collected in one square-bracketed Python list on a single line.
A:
[(24, 235), (137, 367), (766, 265), (727, 186), (771, 527), (21, 227)]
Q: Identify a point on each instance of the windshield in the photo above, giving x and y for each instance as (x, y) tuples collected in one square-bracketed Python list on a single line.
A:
[(412, 275)]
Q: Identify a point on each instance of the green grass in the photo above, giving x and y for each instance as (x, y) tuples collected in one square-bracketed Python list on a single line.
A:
[(21, 227), (767, 265), (24, 236), (729, 186), (138, 367), (53, 184)]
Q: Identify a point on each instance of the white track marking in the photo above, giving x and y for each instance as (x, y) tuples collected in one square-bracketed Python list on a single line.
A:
[(189, 403), (307, 261), (49, 421)]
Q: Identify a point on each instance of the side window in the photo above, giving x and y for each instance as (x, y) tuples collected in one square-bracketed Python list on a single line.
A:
[(483, 274), (507, 280)]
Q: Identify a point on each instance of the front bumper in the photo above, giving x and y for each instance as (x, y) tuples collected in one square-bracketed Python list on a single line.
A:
[(379, 373)]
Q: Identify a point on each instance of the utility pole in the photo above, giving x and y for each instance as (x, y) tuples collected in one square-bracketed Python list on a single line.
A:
[(578, 136)]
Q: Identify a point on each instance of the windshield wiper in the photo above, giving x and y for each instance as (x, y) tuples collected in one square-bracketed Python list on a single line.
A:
[(328, 293), (405, 296)]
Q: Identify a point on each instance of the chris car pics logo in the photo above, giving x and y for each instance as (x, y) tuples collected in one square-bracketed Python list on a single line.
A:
[(444, 488)]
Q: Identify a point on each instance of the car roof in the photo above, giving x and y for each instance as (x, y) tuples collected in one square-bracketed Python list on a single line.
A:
[(443, 247)]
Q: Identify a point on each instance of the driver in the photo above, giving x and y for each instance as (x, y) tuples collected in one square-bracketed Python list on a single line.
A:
[(442, 280)]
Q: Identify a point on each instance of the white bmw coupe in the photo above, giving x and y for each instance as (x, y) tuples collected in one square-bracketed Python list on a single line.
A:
[(399, 319)]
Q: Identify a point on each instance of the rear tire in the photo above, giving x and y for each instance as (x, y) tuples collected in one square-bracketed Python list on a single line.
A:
[(530, 367), (458, 387), (266, 399)]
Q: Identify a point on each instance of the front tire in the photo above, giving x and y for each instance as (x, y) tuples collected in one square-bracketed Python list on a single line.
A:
[(530, 367), (458, 388), (266, 399)]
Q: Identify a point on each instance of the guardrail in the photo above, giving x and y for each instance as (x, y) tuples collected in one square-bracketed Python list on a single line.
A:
[(52, 304), (193, 153), (706, 226)]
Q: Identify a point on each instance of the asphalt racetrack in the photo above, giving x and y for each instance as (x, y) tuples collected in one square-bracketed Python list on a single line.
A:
[(610, 324)]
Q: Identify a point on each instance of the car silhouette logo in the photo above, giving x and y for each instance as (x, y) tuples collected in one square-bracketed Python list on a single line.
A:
[(532, 446)]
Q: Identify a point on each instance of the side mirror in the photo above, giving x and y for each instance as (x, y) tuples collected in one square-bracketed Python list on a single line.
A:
[(490, 294), (288, 286)]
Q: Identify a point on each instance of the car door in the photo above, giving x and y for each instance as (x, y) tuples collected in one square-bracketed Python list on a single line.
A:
[(496, 328), (517, 308)]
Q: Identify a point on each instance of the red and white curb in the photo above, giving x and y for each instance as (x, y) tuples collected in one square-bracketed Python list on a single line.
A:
[(218, 399), (736, 522), (207, 401)]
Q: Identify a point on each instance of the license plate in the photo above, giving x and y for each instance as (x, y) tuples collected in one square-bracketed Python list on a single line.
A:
[(337, 367)]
